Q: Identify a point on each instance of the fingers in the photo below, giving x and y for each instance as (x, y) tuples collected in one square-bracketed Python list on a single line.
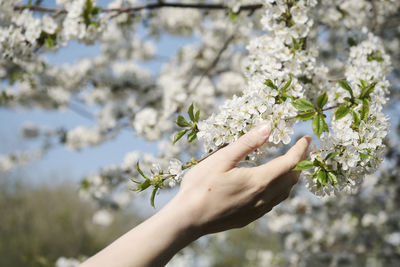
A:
[(229, 156), (285, 163)]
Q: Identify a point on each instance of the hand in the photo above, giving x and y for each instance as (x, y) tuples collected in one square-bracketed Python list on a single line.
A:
[(219, 196), (216, 195)]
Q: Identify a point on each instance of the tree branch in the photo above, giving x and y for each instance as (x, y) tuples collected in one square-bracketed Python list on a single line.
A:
[(131, 9), (215, 61)]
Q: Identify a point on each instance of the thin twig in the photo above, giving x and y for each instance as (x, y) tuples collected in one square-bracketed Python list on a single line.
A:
[(215, 61)]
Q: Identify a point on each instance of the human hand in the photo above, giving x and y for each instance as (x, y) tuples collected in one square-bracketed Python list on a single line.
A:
[(215, 195), (218, 195)]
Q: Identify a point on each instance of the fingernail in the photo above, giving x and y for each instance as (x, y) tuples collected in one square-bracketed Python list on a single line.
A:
[(264, 129)]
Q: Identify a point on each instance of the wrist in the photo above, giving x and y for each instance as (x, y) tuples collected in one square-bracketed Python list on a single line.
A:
[(181, 214)]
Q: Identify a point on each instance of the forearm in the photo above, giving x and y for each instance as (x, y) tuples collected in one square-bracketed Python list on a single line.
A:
[(152, 243)]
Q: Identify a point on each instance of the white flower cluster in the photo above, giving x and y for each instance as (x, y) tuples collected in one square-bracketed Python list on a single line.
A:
[(22, 33), (360, 147), (271, 83), (75, 26)]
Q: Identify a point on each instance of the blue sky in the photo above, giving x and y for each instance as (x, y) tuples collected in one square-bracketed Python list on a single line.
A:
[(70, 164)]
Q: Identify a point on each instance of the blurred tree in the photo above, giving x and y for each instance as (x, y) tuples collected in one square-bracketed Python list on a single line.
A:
[(41, 223)]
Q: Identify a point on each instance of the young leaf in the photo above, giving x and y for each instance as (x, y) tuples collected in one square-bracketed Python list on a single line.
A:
[(179, 135), (322, 100), (140, 171), (364, 112), (197, 116), (332, 178), (331, 155), (363, 83), (270, 84), (364, 156), (233, 16), (346, 87), (181, 122), (286, 86), (190, 112), (49, 42), (366, 91), (356, 118), (304, 165), (143, 186), (321, 176), (153, 195), (341, 112), (302, 104), (192, 136), (319, 125), (305, 116)]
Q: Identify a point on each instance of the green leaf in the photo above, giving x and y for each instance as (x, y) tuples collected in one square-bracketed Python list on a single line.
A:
[(192, 136), (363, 83), (366, 91), (351, 41), (270, 84), (322, 177), (181, 122), (332, 178), (305, 116), (233, 16), (322, 100), (153, 195), (197, 116), (331, 155), (319, 125), (190, 112), (356, 118), (364, 111), (364, 156), (346, 87), (304, 165), (302, 104), (179, 135), (49, 42), (341, 112), (143, 186), (94, 24), (140, 171), (287, 84)]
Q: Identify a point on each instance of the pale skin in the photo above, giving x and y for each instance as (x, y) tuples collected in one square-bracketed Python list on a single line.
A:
[(216, 195)]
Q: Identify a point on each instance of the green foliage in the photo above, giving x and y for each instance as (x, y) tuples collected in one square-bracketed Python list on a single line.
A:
[(305, 116), (341, 112), (157, 182), (319, 125), (346, 87), (90, 11), (366, 89), (302, 104), (331, 155), (322, 100), (190, 127), (269, 83), (179, 135), (375, 55), (233, 16), (304, 165)]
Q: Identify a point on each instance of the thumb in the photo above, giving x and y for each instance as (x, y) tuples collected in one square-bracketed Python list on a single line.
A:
[(232, 154)]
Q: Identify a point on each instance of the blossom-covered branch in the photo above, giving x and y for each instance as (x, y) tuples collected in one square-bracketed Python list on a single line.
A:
[(157, 5)]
